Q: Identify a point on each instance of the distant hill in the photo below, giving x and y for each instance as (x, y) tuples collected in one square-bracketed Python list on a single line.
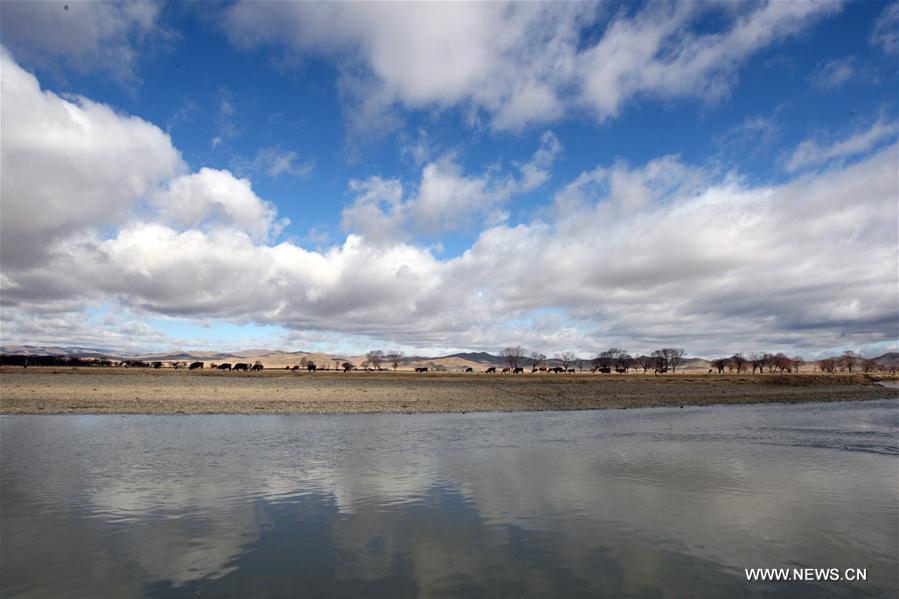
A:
[(888, 360), (481, 357), (280, 359)]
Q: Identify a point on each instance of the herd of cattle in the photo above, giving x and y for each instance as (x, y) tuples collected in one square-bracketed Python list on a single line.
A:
[(25, 361)]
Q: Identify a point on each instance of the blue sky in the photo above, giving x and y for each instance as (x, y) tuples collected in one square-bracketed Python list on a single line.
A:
[(451, 177)]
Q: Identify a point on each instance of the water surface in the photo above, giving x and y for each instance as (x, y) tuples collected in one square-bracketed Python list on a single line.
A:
[(624, 503)]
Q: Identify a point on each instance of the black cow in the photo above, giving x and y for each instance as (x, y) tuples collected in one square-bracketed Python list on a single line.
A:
[(469, 369), (507, 370), (224, 366), (621, 370), (661, 370), (241, 366), (491, 369), (157, 365), (195, 365), (604, 370), (421, 369), (557, 370), (518, 371), (572, 370), (311, 367), (256, 367)]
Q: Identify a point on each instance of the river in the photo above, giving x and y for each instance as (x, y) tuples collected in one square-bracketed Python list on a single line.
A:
[(620, 503)]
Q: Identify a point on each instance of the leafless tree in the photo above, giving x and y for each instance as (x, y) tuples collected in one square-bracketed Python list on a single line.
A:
[(604, 359), (513, 355), (827, 365), (566, 358), (393, 357), (869, 365), (621, 358), (645, 362), (798, 361), (758, 361), (375, 358), (738, 361), (848, 360), (537, 358)]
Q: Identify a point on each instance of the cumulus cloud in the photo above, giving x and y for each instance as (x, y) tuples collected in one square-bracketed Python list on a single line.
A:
[(636, 255), (84, 36), (212, 199), (69, 164), (445, 199), (812, 153), (522, 63)]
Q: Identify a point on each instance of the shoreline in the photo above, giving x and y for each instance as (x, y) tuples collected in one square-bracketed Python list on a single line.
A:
[(49, 390)]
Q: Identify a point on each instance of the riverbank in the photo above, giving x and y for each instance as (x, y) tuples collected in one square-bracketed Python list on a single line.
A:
[(130, 391)]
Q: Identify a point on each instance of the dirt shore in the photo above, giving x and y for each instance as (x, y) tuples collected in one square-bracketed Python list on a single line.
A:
[(129, 391)]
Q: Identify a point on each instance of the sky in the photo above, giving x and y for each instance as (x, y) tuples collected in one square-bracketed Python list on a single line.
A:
[(430, 177)]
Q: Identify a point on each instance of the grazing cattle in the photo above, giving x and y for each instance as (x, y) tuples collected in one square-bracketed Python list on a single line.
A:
[(506, 370), (542, 369), (421, 369), (710, 371), (157, 365), (571, 370), (311, 367), (241, 366), (533, 370), (224, 366), (557, 370), (518, 371), (195, 365), (621, 370), (294, 368), (347, 368), (257, 367), (604, 370), (661, 370), (469, 369), (491, 369)]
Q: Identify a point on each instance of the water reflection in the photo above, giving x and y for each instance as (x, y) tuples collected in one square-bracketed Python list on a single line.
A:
[(625, 503)]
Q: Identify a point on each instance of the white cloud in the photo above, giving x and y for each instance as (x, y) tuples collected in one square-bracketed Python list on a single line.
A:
[(275, 163), (833, 73), (522, 63), (69, 164), (84, 36), (446, 199), (811, 153), (212, 199), (632, 255), (885, 32)]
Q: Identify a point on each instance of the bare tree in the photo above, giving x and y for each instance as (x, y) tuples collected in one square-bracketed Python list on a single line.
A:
[(604, 359), (566, 358), (869, 365), (758, 361), (375, 358), (393, 357), (738, 361), (827, 365), (537, 358), (645, 362), (513, 355), (848, 360), (798, 361)]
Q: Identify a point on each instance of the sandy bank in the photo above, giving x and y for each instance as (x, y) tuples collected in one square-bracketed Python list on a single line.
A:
[(115, 391)]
